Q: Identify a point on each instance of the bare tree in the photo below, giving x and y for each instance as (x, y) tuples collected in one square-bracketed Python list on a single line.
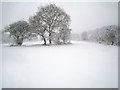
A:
[(47, 22), (19, 31), (38, 28), (65, 35)]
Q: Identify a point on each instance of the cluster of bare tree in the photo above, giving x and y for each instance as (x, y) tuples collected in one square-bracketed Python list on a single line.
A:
[(106, 35), (50, 23)]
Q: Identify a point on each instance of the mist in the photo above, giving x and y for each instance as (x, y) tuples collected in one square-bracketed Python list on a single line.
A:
[(85, 16)]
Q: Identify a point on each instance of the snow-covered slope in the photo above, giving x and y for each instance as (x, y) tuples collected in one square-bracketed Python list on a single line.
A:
[(79, 65)]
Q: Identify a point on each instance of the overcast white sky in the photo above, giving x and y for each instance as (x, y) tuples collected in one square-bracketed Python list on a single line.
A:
[(84, 15)]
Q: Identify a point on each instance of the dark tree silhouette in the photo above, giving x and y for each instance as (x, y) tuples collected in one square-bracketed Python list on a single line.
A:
[(19, 31), (49, 22)]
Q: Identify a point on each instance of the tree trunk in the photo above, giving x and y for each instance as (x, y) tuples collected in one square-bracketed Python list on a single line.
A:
[(44, 40), (50, 42), (20, 42), (112, 42)]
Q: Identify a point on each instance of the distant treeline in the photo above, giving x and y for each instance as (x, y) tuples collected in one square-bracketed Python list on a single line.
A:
[(106, 35)]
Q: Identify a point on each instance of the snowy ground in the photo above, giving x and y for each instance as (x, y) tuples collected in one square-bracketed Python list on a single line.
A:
[(79, 65)]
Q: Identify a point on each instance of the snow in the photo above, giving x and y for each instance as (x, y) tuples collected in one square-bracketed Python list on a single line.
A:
[(78, 65)]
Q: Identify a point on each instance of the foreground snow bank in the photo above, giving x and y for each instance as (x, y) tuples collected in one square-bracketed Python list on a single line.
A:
[(79, 65)]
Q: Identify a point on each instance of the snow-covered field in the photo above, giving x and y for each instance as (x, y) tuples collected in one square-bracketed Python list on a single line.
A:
[(79, 65)]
